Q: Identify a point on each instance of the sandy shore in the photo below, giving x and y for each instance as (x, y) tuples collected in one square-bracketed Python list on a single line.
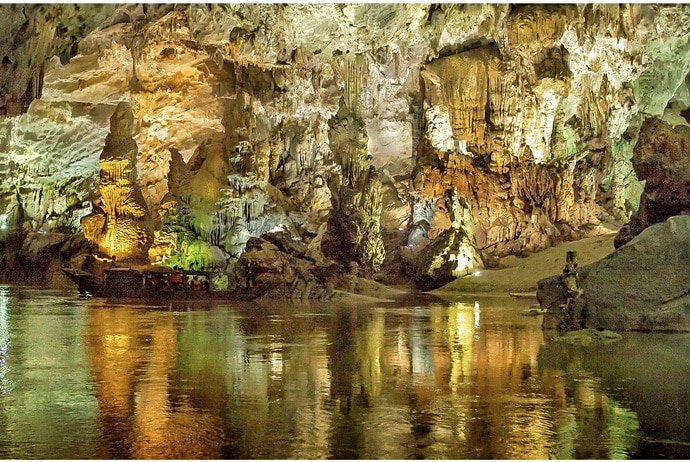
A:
[(521, 274)]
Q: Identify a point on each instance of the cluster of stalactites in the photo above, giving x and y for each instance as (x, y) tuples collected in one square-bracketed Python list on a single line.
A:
[(356, 194), (479, 94), (549, 189), (354, 69), (368, 222), (241, 206)]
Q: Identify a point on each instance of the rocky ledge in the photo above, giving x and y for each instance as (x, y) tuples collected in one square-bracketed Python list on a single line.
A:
[(644, 285)]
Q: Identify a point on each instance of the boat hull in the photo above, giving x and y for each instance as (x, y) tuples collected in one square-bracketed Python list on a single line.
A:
[(87, 285)]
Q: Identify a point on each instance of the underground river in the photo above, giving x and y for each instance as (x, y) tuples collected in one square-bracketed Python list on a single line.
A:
[(457, 378)]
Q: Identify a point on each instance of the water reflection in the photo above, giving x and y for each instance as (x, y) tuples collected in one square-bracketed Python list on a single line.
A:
[(425, 378), (624, 396), (5, 384)]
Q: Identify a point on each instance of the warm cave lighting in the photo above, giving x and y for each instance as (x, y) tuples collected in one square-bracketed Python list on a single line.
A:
[(464, 263)]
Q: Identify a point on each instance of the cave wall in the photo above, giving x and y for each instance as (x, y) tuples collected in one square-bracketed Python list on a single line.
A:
[(254, 118)]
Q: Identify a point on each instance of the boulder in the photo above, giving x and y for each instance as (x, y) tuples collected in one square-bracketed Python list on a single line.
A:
[(273, 273), (644, 285), (660, 159)]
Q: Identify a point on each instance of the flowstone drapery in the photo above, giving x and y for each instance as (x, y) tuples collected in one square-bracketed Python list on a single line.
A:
[(120, 223)]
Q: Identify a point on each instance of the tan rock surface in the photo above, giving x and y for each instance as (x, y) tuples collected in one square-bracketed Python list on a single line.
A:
[(643, 285), (521, 274)]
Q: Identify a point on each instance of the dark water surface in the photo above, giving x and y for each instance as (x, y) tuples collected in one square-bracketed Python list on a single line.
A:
[(419, 378)]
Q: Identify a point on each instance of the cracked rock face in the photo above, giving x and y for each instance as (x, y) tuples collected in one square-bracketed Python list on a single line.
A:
[(661, 160), (527, 113)]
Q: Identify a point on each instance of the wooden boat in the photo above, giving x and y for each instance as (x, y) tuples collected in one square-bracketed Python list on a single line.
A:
[(162, 284)]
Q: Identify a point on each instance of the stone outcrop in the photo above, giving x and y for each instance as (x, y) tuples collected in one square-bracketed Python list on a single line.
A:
[(661, 160), (454, 252), (644, 285), (274, 273)]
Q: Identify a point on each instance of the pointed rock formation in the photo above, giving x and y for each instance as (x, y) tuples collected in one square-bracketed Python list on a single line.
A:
[(120, 223)]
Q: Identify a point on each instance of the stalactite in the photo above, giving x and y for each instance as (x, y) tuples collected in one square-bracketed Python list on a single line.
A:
[(541, 186), (238, 182), (354, 68)]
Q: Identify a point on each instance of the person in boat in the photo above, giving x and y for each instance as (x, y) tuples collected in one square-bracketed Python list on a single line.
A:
[(205, 284), (89, 264), (196, 283), (176, 279), (113, 262)]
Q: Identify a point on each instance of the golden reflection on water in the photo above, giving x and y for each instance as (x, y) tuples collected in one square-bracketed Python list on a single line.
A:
[(132, 358), (440, 380), (5, 384)]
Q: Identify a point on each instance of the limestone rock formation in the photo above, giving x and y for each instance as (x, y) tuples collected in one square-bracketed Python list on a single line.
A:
[(661, 160), (30, 35), (644, 285), (359, 116), (353, 232), (454, 252), (272, 272), (120, 223)]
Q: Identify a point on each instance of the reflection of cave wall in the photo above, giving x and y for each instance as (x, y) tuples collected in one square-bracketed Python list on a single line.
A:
[(529, 112)]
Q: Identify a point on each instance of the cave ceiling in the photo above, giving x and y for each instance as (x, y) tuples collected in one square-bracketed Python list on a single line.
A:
[(520, 118)]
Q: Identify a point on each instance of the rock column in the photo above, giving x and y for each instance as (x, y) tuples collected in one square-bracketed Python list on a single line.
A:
[(120, 222), (354, 229)]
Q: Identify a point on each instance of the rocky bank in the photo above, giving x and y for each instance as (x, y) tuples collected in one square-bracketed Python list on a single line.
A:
[(644, 285)]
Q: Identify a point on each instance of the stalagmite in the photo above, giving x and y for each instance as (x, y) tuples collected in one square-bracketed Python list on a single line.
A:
[(127, 230)]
